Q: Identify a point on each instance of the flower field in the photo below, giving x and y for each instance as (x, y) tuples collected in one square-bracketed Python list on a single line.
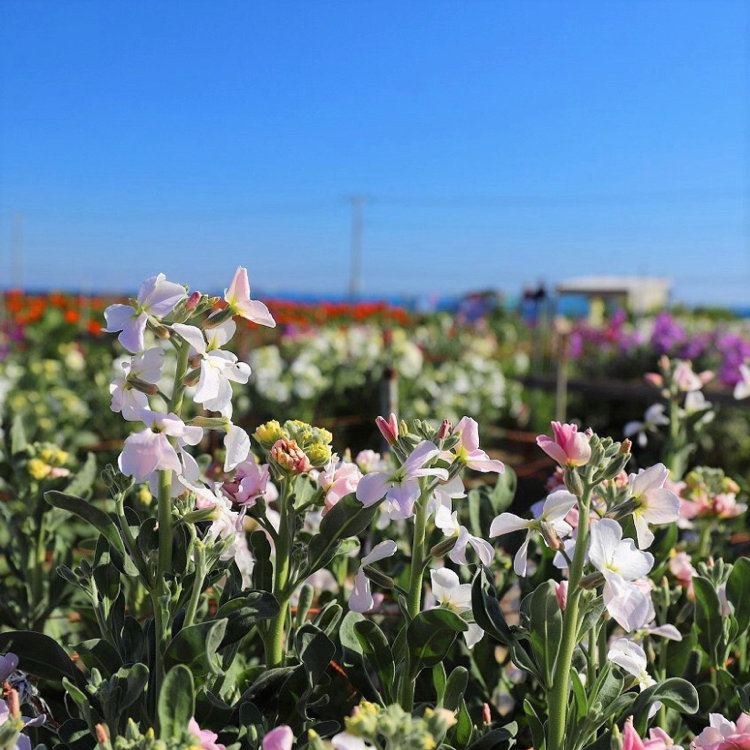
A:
[(238, 525)]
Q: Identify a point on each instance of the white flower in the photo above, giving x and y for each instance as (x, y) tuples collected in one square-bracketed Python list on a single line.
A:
[(656, 504), (622, 565), (652, 420), (632, 658), (145, 366), (456, 596), (612, 555), (238, 299), (218, 370), (447, 522), (361, 597), (557, 505), (400, 486), (156, 297), (742, 389), (150, 449)]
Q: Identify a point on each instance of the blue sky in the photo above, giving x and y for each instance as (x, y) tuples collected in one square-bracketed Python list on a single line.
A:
[(499, 142)]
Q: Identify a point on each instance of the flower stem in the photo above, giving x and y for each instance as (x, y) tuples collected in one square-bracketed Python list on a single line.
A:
[(199, 553), (414, 595), (165, 526), (274, 639), (558, 695)]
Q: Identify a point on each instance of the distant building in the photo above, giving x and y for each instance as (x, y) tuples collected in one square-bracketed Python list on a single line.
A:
[(638, 294)]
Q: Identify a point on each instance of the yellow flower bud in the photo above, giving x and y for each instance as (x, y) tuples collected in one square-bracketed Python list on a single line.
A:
[(38, 469), (267, 434)]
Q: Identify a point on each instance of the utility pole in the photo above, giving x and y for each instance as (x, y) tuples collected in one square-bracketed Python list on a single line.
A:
[(355, 270)]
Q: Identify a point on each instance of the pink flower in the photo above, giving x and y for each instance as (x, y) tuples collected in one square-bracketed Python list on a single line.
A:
[(467, 450), (687, 380), (280, 738), (722, 734), (561, 593), (206, 738), (286, 454), (568, 446), (249, 483), (682, 569), (337, 480), (238, 299), (658, 739), (389, 429)]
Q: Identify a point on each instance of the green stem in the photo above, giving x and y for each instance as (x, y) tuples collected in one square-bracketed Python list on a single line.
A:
[(200, 574), (165, 527), (414, 595), (39, 564), (414, 598), (274, 638), (558, 695)]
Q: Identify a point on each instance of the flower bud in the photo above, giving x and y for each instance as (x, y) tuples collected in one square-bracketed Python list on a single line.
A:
[(573, 482), (219, 317), (150, 389), (486, 713), (550, 536), (389, 429), (192, 377), (160, 330), (439, 720), (14, 704), (289, 457), (193, 300), (101, 735), (378, 577), (445, 429), (319, 454), (441, 549), (267, 434), (591, 581)]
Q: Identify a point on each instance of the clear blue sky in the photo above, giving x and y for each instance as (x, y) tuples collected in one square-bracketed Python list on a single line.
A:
[(500, 142)]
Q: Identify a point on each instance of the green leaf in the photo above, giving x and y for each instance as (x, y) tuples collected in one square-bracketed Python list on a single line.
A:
[(708, 618), (18, 440), (176, 702), (455, 688), (464, 728), (674, 693), (263, 569), (535, 725), (84, 479), (88, 512), (378, 653), (545, 628), (438, 680), (429, 636), (244, 612), (315, 650), (738, 592), (196, 646), (486, 608), (39, 655), (347, 518)]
